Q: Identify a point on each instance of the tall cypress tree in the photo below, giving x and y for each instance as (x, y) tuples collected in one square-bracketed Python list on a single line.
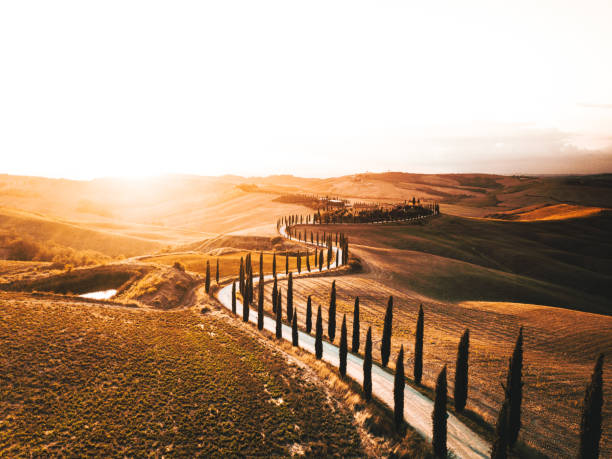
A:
[(207, 281), (319, 335), (343, 347), (217, 273), (245, 308), (234, 297), (514, 390), (294, 329), (418, 347), (309, 314), (355, 344), (286, 262), (590, 423), (241, 277), (299, 263), (367, 367), (274, 265), (461, 372), (308, 260), (279, 313), (260, 307), (385, 344), (439, 417), (261, 269), (321, 260), (274, 295), (331, 322), (500, 445), (399, 383), (290, 297)]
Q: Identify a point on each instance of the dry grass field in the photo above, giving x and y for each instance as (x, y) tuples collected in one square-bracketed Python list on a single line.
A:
[(557, 263), (560, 349), (229, 263), (467, 285), (82, 379)]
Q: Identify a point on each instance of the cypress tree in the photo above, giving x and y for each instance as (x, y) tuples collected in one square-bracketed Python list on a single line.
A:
[(245, 308), (329, 255), (418, 347), (294, 329), (309, 314), (500, 445), (217, 273), (207, 281), (461, 372), (439, 417), (355, 346), (321, 260), (241, 277), (343, 347), (274, 265), (290, 297), (274, 295), (234, 297), (308, 260), (261, 269), (385, 344), (514, 390), (367, 367), (319, 335), (279, 323), (331, 322), (590, 423), (299, 263), (260, 307), (399, 383), (286, 262)]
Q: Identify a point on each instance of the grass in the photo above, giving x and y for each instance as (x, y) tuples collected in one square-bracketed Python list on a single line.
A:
[(560, 348), (105, 381), (229, 264), (557, 263), (52, 237)]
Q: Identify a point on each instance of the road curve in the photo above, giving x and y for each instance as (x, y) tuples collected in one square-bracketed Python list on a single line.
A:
[(462, 441)]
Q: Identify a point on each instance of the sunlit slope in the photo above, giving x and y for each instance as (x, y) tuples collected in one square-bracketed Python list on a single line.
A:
[(172, 209), (548, 212), (81, 379), (560, 348), (232, 203), (50, 230)]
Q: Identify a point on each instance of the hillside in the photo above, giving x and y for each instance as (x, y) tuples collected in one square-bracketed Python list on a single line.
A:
[(490, 277), (179, 208), (558, 263), (84, 379)]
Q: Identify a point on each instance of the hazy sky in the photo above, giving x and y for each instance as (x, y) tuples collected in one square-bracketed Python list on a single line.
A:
[(136, 88)]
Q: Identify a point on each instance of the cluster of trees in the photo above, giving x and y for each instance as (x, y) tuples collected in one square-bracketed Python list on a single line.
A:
[(313, 201), (368, 214), (207, 278), (341, 242)]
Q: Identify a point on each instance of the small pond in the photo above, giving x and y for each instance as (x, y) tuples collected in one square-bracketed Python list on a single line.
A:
[(100, 295)]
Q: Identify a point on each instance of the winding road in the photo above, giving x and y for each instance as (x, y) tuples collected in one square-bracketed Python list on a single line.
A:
[(462, 441)]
